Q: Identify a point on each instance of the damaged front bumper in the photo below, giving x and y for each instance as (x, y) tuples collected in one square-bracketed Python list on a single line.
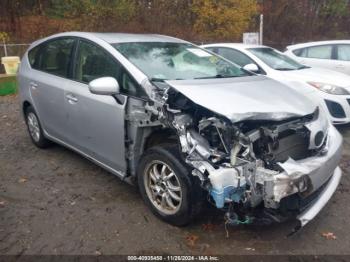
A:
[(315, 178), (305, 176), (317, 205)]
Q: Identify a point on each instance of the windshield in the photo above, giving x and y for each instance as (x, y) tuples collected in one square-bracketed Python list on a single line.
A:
[(177, 61), (275, 59)]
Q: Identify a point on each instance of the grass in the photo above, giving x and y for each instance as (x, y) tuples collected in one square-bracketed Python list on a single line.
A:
[(8, 85)]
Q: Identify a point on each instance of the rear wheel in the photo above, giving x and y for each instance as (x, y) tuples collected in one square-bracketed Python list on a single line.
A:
[(34, 129), (168, 187)]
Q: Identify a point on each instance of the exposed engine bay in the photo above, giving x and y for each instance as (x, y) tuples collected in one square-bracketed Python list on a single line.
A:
[(245, 164)]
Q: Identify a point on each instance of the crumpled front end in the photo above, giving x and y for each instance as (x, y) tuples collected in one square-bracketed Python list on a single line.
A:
[(279, 168), (252, 165)]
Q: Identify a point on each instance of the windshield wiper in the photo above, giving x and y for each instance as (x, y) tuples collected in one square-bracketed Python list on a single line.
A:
[(155, 79), (216, 76), (285, 69), (303, 67)]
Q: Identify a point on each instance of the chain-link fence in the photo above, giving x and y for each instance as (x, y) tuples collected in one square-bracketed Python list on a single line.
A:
[(12, 50)]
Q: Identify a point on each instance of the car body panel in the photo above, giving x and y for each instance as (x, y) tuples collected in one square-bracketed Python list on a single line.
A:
[(44, 91), (95, 124)]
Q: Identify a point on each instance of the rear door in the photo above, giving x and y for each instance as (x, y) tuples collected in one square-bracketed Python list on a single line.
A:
[(95, 123), (51, 62)]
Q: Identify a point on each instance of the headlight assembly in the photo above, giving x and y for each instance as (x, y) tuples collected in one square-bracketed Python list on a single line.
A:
[(330, 89)]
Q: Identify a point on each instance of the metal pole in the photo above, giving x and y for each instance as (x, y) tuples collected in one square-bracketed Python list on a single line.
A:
[(5, 49), (261, 29)]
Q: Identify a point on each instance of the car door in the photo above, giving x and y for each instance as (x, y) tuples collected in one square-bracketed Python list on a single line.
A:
[(51, 62), (343, 58), (95, 123)]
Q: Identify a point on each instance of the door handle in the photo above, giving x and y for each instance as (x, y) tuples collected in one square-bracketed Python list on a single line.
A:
[(71, 98), (33, 85)]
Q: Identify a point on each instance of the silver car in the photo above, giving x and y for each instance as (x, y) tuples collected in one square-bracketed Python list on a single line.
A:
[(184, 124)]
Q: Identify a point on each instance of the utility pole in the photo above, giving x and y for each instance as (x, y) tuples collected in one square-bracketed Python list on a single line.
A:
[(261, 32)]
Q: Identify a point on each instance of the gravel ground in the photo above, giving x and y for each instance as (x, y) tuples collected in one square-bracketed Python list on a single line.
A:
[(56, 202)]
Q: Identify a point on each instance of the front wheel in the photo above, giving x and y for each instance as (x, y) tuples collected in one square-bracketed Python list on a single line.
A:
[(167, 186)]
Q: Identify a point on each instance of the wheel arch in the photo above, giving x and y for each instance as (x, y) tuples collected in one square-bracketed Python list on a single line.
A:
[(25, 105), (160, 136)]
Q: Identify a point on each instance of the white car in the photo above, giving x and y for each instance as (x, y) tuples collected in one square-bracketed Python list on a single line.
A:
[(329, 88), (334, 55)]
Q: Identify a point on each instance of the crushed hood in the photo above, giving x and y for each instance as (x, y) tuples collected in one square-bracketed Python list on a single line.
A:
[(245, 98)]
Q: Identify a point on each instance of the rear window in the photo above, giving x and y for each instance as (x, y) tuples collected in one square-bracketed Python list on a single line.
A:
[(320, 52), (344, 52), (33, 57), (53, 57), (56, 57)]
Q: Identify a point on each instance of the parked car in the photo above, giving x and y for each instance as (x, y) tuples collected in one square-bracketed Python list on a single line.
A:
[(334, 55), (328, 88), (184, 124)]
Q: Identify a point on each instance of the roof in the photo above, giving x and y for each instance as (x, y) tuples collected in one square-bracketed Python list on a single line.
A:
[(235, 45), (114, 38), (318, 43), (125, 38)]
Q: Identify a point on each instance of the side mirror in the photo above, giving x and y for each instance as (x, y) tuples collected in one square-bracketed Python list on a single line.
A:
[(252, 68), (104, 86)]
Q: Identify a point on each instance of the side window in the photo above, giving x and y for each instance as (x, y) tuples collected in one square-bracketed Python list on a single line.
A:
[(212, 49), (300, 52), (344, 52), (93, 62), (55, 56), (235, 56), (320, 52), (34, 57)]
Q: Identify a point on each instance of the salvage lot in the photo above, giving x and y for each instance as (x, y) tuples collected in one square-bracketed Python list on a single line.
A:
[(56, 202)]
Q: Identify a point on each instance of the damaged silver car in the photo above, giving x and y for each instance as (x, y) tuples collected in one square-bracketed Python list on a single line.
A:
[(184, 124)]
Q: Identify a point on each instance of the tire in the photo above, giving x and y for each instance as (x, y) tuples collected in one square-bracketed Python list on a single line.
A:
[(34, 129), (190, 194)]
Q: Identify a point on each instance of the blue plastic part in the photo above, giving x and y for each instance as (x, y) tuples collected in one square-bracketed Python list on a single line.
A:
[(230, 192)]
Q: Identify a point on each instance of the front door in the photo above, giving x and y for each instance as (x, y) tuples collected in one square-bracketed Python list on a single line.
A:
[(95, 123)]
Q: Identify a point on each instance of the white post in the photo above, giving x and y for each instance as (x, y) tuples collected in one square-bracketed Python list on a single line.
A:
[(261, 29)]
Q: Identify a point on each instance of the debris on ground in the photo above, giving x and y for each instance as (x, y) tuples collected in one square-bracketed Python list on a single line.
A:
[(191, 240), (2, 203), (329, 235), (22, 180), (208, 227)]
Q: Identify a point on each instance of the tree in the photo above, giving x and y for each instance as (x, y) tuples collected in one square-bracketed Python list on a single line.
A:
[(295, 21), (223, 19)]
